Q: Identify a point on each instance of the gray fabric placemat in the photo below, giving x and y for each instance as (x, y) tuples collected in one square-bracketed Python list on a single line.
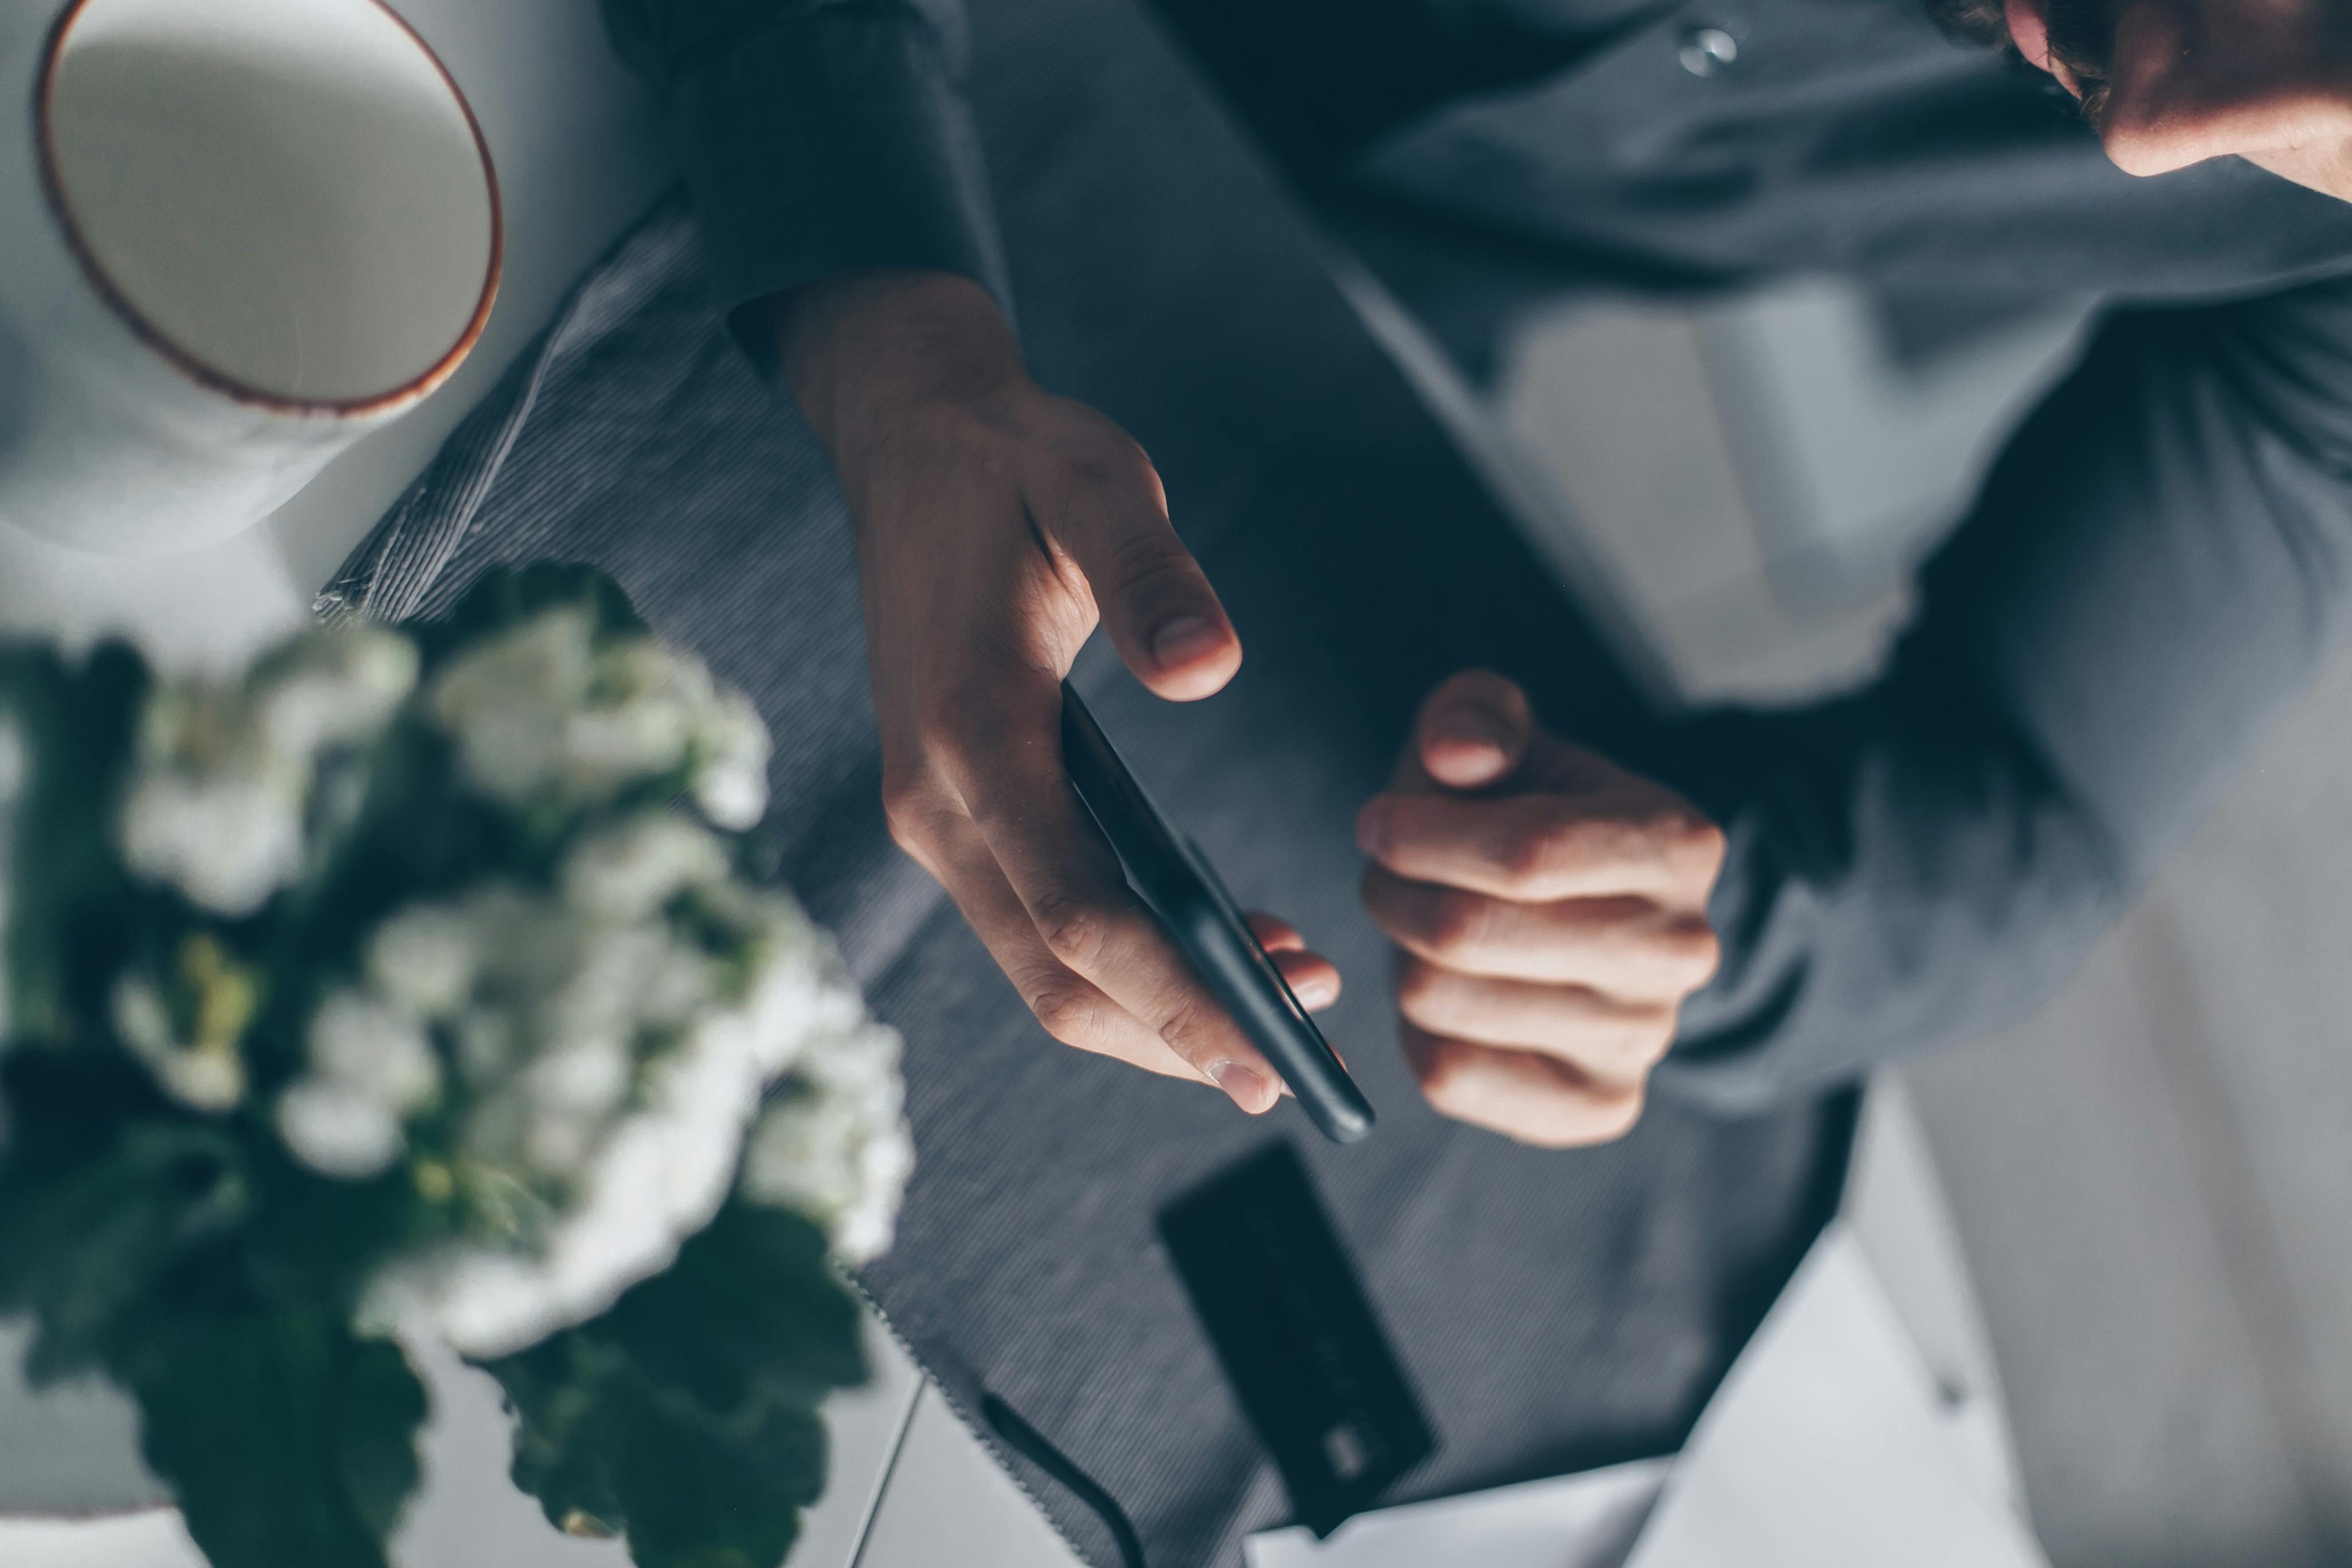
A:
[(1556, 1311)]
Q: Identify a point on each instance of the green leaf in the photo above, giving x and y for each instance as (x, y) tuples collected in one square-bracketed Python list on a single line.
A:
[(104, 1241), (286, 1438), (69, 905), (691, 1495), (749, 1311), (686, 1417)]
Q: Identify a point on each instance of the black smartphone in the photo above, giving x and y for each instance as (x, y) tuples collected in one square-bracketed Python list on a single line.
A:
[(1177, 881)]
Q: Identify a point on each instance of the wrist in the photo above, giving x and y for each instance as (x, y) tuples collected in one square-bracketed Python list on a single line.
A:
[(865, 349)]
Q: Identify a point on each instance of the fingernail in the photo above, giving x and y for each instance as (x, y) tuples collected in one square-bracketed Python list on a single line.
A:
[(1184, 640), (1373, 829), (1471, 726), (1244, 1084)]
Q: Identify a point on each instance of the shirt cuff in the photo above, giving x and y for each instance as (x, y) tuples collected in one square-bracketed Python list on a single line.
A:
[(829, 144)]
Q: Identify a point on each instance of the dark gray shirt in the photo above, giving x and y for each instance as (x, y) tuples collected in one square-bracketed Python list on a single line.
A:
[(2151, 574), (819, 136)]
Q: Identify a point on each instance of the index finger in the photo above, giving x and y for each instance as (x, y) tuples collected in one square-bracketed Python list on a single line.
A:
[(1542, 848)]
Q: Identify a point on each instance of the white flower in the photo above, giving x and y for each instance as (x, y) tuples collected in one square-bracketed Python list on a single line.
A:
[(836, 1147), (371, 1067), (610, 747), (213, 808), (587, 1078), (331, 688), (338, 1129), (207, 1076), (731, 781), (558, 1145), (542, 709), (426, 959), (658, 1176), (632, 870), (222, 778), (374, 1050), (506, 703), (650, 1143), (228, 842), (648, 706), (800, 989), (626, 979)]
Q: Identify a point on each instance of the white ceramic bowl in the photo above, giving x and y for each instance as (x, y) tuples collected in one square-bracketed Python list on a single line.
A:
[(235, 235)]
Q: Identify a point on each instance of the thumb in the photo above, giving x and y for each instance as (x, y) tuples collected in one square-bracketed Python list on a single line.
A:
[(1473, 730), (1153, 598)]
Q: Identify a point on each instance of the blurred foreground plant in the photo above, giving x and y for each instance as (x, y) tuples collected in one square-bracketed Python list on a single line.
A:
[(418, 980)]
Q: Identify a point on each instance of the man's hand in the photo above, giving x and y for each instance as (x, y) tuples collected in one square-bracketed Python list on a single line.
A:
[(1553, 912), (996, 525)]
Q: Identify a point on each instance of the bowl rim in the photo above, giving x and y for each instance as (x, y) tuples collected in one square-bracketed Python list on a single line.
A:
[(186, 362)]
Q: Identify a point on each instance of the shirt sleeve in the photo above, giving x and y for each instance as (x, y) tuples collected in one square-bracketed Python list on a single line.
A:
[(818, 137), (2154, 570)]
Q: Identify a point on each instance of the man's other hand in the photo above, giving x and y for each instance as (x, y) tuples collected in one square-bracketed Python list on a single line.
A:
[(996, 525), (1552, 913)]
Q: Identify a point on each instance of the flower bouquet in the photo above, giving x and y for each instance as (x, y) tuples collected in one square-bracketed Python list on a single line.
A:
[(423, 981)]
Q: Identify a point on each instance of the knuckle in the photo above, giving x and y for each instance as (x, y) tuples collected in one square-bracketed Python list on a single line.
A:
[(1188, 1021), (1074, 930), (1531, 854), (1448, 1073), (909, 806), (1612, 1119), (1422, 992), (1068, 1013), (1650, 1038), (1588, 1121), (1140, 567), (1087, 469), (1443, 1070), (1697, 952), (1623, 1047), (1417, 980), (941, 736), (1102, 456), (1457, 921), (906, 831), (1698, 846)]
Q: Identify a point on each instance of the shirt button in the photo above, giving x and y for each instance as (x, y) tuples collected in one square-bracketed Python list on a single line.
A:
[(1706, 50)]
